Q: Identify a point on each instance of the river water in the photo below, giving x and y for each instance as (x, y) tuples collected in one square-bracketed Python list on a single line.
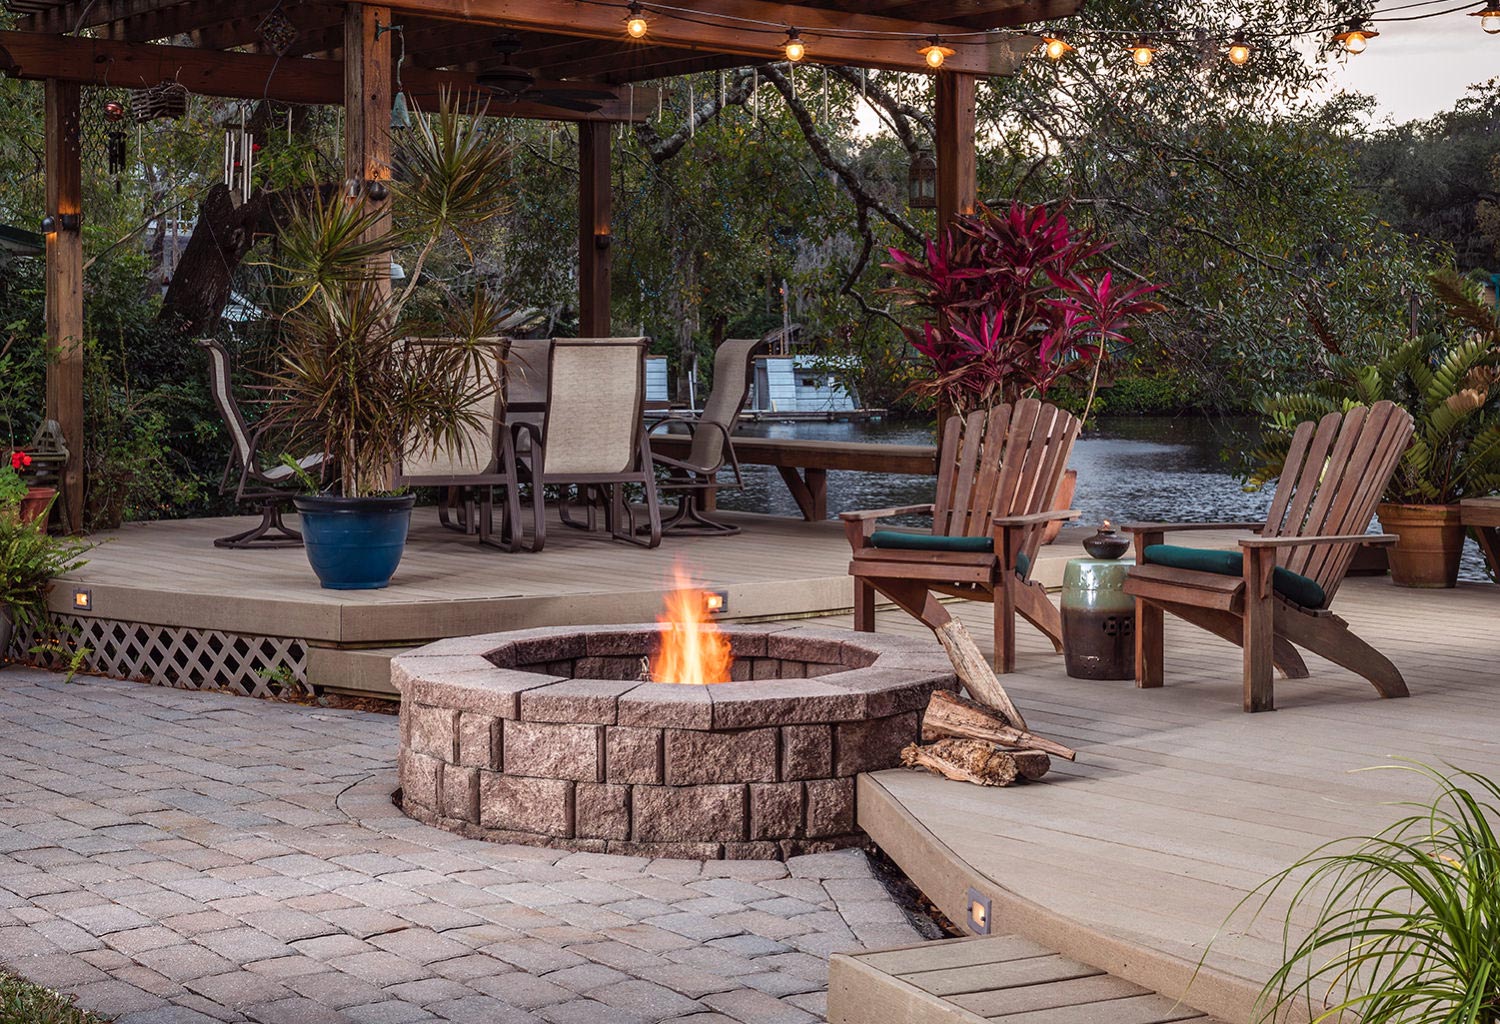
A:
[(1147, 469)]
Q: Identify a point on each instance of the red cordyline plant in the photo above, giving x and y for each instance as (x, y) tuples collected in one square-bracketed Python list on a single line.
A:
[(1016, 302)]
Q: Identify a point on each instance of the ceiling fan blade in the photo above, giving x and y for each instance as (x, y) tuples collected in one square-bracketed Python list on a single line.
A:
[(581, 90), (565, 102)]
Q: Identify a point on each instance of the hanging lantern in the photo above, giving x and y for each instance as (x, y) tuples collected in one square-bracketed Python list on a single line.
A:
[(1239, 52), (636, 25), (1142, 51), (921, 181), (1489, 18), (1355, 36), (796, 49), (935, 52)]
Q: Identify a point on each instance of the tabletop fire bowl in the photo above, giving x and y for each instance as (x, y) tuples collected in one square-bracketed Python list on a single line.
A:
[(550, 737)]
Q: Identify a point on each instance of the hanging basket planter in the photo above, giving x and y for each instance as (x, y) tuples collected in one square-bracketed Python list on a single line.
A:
[(165, 99)]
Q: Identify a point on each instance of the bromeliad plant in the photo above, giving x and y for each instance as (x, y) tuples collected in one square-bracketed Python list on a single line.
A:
[(1014, 303), (1450, 383), (1406, 923), (345, 380)]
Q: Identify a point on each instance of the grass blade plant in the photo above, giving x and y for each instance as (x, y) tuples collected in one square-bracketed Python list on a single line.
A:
[(1405, 923)]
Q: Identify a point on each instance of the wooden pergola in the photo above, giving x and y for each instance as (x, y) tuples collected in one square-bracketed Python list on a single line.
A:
[(344, 53)]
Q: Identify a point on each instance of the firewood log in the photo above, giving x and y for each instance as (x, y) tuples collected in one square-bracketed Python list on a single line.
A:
[(1032, 764), (951, 715), (973, 668), (963, 761)]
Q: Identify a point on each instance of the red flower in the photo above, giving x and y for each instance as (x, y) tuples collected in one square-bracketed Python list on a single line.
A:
[(19, 461)]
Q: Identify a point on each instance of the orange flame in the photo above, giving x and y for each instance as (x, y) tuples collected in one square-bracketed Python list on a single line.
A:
[(692, 650)]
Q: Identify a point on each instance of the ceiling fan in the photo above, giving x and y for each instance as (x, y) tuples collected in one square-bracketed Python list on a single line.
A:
[(511, 83)]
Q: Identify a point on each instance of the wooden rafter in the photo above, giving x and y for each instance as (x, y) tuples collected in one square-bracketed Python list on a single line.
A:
[(255, 76)]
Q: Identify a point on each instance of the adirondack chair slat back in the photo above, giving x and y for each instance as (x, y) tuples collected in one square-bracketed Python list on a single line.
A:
[(1331, 483), (1008, 461)]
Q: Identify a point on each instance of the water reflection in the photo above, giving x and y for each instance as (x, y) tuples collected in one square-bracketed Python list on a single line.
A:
[(1137, 468)]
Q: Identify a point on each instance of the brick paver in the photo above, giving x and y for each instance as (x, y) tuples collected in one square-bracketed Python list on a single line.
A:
[(173, 857)]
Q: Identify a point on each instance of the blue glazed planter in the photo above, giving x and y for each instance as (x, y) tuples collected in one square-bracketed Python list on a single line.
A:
[(354, 543)]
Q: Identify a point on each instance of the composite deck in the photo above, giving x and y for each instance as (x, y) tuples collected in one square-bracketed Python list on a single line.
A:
[(1180, 805)]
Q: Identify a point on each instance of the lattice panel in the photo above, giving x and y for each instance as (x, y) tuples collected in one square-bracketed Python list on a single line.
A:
[(190, 659)]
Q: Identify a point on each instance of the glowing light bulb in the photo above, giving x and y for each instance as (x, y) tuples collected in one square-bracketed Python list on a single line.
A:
[(636, 25), (1057, 49), (1489, 18), (1239, 51), (1355, 37), (1142, 52), (796, 49), (936, 52)]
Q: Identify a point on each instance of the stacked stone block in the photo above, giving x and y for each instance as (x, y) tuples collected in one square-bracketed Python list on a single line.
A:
[(549, 737)]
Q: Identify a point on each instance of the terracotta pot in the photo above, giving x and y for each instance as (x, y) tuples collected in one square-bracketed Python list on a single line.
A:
[(1430, 546), (34, 505), (1065, 492)]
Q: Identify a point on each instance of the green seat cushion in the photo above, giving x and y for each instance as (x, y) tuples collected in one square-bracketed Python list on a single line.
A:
[(908, 541), (1293, 586)]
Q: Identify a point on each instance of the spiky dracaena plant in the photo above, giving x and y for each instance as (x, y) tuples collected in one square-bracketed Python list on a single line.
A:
[(1450, 383), (1405, 923), (345, 378), (1013, 303)]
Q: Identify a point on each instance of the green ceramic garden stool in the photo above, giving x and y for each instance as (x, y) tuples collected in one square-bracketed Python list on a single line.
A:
[(1098, 619)]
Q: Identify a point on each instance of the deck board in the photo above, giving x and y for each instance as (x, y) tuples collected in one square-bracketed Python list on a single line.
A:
[(1180, 805)]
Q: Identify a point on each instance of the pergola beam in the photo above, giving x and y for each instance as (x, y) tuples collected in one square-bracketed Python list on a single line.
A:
[(64, 286), (253, 76), (725, 27)]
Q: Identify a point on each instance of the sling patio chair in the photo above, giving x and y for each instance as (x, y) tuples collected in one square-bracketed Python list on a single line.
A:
[(592, 434), (711, 450), (481, 460), (271, 487), (1275, 591), (998, 478)]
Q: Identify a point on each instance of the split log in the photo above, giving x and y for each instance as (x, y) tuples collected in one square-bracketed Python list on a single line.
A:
[(963, 761), (949, 715), (973, 668)]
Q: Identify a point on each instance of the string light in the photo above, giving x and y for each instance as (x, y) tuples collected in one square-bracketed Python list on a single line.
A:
[(1239, 51), (1489, 18), (1056, 48), (1355, 36), (796, 49), (1142, 51), (935, 52), (636, 25)]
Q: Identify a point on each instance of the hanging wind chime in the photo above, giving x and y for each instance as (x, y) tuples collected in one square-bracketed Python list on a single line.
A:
[(239, 156), (115, 147)]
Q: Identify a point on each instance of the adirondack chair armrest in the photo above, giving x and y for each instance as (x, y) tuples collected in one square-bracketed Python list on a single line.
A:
[(1189, 527), (885, 513), (1367, 539), (1003, 522)]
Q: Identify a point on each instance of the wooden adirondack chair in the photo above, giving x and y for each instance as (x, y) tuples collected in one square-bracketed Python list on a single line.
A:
[(1275, 592), (998, 475)]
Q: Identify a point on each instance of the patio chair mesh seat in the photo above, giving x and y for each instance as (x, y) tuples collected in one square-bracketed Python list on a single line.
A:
[(903, 540), (1293, 586)]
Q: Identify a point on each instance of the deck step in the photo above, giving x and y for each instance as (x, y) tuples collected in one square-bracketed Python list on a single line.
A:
[(362, 672), (1001, 978)]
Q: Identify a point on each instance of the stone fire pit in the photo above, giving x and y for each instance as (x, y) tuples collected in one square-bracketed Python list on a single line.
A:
[(548, 737)]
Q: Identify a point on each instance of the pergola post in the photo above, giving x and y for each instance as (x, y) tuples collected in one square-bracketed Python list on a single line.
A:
[(957, 159), (594, 240), (367, 105), (64, 287)]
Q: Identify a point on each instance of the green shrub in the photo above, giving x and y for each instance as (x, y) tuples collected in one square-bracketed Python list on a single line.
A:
[(21, 1002), (1406, 923)]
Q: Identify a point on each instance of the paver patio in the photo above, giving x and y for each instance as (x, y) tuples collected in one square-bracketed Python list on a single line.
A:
[(176, 857)]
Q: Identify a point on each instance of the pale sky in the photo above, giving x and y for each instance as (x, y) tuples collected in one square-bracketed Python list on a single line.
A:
[(1416, 68)]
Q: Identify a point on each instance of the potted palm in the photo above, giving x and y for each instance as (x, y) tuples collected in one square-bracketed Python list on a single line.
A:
[(29, 561), (344, 380), (1449, 380)]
